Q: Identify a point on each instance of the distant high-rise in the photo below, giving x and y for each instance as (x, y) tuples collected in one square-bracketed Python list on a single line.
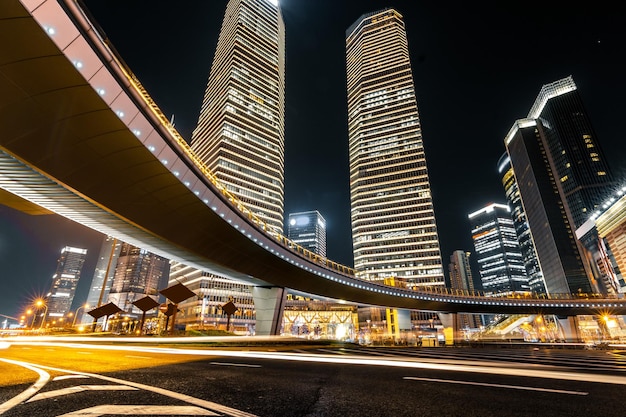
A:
[(64, 281), (240, 131), (511, 190), (394, 232), (461, 278), (498, 253), (138, 273), (102, 276), (308, 229), (562, 177)]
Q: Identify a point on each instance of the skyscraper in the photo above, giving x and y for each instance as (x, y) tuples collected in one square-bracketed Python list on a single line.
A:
[(461, 278), (562, 177), (584, 179), (499, 257), (240, 130), (308, 229), (64, 281), (138, 273), (240, 138), (103, 275), (394, 232), (511, 190)]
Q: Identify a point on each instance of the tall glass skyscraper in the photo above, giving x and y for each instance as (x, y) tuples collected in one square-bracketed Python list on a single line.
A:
[(563, 176), (308, 229), (394, 232), (584, 177), (498, 253), (64, 281), (511, 190), (240, 131)]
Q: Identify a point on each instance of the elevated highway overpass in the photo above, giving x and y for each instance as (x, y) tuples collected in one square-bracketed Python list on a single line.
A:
[(80, 137)]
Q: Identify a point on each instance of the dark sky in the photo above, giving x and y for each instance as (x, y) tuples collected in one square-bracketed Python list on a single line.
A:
[(477, 68)]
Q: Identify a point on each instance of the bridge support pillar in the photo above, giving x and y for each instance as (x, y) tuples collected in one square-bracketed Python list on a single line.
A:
[(569, 328), (450, 327), (269, 303)]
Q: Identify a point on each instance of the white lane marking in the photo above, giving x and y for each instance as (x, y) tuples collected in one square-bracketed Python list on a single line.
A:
[(44, 377), (140, 410), (484, 384), (137, 357), (80, 388), (62, 377), (183, 397), (245, 365)]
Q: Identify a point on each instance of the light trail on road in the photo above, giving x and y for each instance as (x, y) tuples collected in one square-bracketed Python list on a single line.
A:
[(465, 366)]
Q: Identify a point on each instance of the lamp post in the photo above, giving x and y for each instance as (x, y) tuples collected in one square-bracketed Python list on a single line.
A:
[(28, 313), (40, 303), (76, 313)]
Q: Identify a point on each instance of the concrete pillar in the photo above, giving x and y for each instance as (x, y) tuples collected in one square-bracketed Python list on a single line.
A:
[(450, 327), (569, 328), (269, 303)]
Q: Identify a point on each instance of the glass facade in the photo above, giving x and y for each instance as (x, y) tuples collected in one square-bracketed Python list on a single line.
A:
[(240, 130), (498, 253), (394, 231), (64, 281), (461, 278), (102, 276), (557, 250), (138, 273), (308, 229), (563, 178), (511, 190), (584, 176)]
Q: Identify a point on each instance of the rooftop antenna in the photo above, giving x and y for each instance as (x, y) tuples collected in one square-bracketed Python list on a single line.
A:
[(172, 120)]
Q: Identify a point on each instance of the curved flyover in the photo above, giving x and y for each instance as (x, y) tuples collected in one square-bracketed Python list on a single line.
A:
[(80, 137)]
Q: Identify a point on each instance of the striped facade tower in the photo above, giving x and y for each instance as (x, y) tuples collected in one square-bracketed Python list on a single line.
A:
[(394, 231), (240, 130)]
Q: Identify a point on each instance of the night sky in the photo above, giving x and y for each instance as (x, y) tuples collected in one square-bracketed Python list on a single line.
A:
[(476, 69)]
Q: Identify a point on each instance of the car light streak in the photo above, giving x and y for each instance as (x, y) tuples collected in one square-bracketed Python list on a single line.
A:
[(484, 384), (245, 365), (492, 369)]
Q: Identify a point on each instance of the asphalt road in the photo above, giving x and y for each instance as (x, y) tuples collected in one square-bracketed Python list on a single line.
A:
[(348, 381)]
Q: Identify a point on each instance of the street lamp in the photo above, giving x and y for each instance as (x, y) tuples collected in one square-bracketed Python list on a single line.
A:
[(76, 313), (28, 313), (39, 304)]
